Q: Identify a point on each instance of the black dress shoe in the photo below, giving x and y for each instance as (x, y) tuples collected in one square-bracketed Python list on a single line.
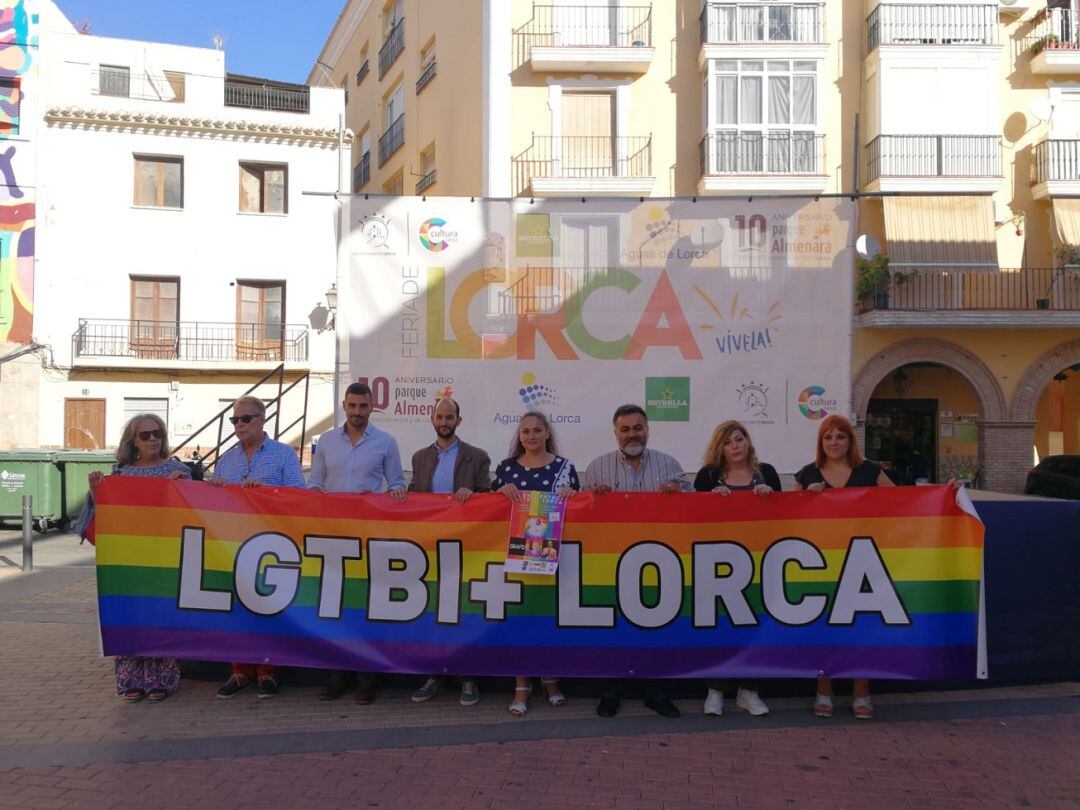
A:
[(336, 686), (608, 707), (663, 707)]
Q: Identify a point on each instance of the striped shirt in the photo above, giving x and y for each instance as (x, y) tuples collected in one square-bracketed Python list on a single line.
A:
[(273, 465), (656, 468)]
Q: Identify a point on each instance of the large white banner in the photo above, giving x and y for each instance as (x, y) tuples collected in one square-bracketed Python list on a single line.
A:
[(699, 311)]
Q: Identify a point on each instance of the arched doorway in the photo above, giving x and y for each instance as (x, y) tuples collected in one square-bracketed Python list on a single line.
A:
[(1049, 395)]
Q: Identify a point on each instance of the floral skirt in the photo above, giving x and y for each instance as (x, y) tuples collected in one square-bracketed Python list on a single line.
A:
[(147, 674)]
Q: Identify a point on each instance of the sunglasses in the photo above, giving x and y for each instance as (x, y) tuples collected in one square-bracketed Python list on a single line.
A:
[(147, 435), (247, 417)]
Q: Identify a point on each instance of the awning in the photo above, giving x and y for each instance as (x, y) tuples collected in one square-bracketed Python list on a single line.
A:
[(1067, 220), (940, 233)]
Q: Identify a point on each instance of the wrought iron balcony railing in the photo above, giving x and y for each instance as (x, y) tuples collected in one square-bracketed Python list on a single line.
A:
[(1056, 29), (1027, 288), (584, 156), (263, 94), (933, 156), (189, 340), (426, 77), (361, 172), (723, 22), (932, 24), (393, 46), (1057, 159), (780, 153), (362, 73), (426, 182), (392, 140), (594, 26)]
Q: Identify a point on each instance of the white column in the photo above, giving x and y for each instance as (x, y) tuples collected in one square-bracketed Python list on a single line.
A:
[(496, 101)]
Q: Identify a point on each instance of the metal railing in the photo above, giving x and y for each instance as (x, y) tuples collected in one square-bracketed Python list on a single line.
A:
[(1054, 29), (543, 289), (931, 24), (426, 182), (1057, 159), (266, 96), (361, 172), (426, 77), (596, 26), (189, 340), (761, 22), (762, 153), (121, 84), (1027, 288), (584, 156), (362, 73), (392, 140), (393, 46), (933, 156)]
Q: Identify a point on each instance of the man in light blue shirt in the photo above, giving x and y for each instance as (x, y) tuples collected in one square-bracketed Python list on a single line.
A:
[(356, 457)]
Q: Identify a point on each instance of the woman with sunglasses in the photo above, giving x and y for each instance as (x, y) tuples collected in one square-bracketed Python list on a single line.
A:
[(144, 453)]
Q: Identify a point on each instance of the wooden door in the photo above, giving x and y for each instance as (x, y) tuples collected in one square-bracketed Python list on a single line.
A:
[(587, 145), (84, 424), (260, 318)]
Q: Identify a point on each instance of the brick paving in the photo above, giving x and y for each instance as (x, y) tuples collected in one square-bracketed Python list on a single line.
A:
[(66, 741)]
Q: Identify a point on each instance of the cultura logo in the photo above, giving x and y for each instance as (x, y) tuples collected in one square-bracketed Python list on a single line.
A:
[(813, 404), (534, 395), (435, 236)]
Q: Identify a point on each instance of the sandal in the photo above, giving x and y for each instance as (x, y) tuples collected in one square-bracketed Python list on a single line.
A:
[(823, 706), (862, 708), (134, 695), (556, 698), (520, 707), (156, 695)]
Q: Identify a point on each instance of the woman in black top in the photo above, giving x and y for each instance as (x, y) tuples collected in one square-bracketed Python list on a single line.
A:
[(840, 464), (731, 465)]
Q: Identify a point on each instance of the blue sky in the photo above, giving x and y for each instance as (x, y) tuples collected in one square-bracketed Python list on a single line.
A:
[(262, 37)]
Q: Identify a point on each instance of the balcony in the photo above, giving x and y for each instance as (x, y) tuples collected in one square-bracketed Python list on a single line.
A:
[(426, 182), (1057, 169), (932, 24), (612, 38), (185, 344), (966, 164), (392, 48), (1032, 297), (1054, 43), (762, 24), (169, 87), (361, 172), (363, 72), (761, 162), (426, 77), (254, 93), (392, 140), (575, 165)]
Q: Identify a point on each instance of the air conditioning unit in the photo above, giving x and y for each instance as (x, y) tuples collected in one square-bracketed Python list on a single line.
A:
[(1014, 7)]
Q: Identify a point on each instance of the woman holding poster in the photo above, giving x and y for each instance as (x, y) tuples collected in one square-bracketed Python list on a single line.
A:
[(535, 465), (731, 465), (840, 464)]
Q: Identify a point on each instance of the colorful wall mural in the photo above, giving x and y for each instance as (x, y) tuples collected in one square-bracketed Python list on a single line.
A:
[(18, 75)]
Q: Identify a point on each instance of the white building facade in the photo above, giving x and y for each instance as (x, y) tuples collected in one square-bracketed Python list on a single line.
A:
[(179, 259)]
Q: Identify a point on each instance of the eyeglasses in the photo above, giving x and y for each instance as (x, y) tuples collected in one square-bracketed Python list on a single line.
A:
[(247, 417), (147, 435)]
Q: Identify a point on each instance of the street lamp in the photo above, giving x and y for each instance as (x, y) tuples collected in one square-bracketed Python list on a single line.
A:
[(331, 304)]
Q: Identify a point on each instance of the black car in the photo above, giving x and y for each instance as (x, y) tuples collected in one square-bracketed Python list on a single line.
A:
[(1055, 477)]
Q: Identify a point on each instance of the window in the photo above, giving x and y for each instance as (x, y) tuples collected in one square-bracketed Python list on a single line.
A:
[(392, 14), (10, 103), (765, 115), (264, 188), (260, 318), (428, 67), (155, 315), (395, 105), (159, 181), (427, 170), (114, 80), (395, 186), (177, 83)]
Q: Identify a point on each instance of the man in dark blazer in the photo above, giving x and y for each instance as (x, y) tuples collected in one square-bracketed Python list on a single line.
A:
[(449, 466)]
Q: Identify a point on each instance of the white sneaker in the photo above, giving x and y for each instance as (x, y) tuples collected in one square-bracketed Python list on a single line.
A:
[(748, 699), (714, 702)]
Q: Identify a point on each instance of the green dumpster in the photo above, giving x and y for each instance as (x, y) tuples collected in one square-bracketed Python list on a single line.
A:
[(31, 472), (75, 468)]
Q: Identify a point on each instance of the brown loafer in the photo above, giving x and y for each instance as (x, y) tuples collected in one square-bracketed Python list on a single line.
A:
[(337, 686)]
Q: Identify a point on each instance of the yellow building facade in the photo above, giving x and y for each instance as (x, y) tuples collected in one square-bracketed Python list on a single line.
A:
[(957, 123)]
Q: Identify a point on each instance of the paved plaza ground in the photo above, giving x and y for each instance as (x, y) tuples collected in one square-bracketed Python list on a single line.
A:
[(67, 741)]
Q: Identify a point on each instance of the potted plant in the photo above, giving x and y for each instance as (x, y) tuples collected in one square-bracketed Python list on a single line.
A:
[(1042, 43), (1066, 257), (873, 280)]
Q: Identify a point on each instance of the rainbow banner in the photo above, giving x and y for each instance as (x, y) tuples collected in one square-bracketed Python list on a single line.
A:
[(879, 583)]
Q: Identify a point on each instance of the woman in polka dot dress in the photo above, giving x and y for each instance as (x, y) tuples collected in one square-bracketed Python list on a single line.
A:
[(534, 464)]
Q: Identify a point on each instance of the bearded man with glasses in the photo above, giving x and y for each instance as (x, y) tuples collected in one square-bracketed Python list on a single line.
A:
[(255, 460)]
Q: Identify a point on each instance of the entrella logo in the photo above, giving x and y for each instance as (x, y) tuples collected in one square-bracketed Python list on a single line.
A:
[(534, 395), (435, 236), (813, 404)]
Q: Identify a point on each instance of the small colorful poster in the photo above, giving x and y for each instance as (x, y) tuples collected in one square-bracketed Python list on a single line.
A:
[(536, 524)]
